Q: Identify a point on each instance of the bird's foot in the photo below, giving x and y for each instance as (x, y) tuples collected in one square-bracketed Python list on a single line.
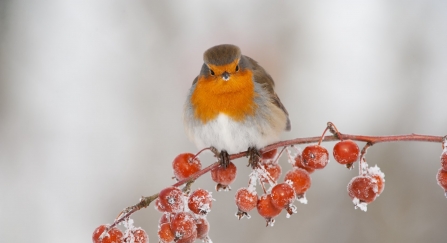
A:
[(215, 152), (223, 157), (254, 156)]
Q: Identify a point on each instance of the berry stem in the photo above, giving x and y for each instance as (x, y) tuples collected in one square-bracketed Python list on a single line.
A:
[(333, 129), (265, 174), (362, 157), (322, 135), (279, 155), (198, 153), (290, 157), (263, 187)]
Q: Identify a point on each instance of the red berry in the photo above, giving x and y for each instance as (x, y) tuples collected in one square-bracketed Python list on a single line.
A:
[(380, 183), (363, 188), (171, 200), (245, 199), (274, 170), (224, 176), (166, 218), (270, 155), (200, 201), (444, 160), (137, 236), (158, 206), (184, 165), (300, 179), (282, 195), (315, 156), (203, 227), (266, 208), (442, 178), (346, 152), (165, 234), (379, 176), (299, 164), (113, 236), (183, 225)]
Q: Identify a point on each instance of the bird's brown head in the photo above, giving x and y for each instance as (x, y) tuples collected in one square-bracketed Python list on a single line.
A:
[(221, 61), (221, 55)]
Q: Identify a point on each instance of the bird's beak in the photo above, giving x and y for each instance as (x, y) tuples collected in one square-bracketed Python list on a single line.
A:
[(226, 76)]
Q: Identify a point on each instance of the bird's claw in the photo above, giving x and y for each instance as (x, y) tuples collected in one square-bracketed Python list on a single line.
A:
[(224, 159), (254, 157)]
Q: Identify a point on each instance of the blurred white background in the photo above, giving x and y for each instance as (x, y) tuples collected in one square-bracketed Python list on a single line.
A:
[(92, 92)]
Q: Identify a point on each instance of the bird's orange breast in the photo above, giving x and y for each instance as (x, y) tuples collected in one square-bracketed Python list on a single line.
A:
[(234, 97)]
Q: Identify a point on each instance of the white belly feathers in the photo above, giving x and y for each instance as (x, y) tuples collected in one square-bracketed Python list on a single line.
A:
[(224, 133)]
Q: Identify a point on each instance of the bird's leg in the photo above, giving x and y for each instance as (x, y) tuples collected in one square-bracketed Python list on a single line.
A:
[(215, 152), (223, 157), (253, 157)]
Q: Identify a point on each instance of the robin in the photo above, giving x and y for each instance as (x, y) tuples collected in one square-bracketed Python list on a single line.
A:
[(232, 106)]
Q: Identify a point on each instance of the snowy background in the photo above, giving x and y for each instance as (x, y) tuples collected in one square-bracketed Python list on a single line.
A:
[(91, 98)]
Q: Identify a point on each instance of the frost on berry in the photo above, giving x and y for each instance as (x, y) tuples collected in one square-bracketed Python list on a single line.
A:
[(137, 235), (166, 218), (300, 181), (246, 200), (183, 226), (184, 165), (362, 189), (171, 200), (282, 195), (165, 234), (158, 206), (444, 159), (379, 176), (315, 156), (346, 152), (200, 201), (134, 234), (267, 210), (441, 177), (114, 235), (359, 204), (224, 176)]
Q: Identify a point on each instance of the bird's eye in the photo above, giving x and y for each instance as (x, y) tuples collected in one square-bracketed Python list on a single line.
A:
[(237, 68), (212, 72)]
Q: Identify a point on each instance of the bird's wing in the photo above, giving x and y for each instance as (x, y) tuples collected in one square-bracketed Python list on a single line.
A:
[(195, 80), (263, 78)]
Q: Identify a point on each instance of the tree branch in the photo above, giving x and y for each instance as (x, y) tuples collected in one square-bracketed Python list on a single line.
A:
[(370, 140)]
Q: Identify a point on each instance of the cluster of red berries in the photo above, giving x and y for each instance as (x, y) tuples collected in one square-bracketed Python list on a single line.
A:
[(441, 177), (280, 195), (363, 189), (115, 235), (369, 184), (184, 215)]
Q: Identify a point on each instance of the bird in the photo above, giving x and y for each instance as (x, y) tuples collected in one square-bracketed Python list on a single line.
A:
[(232, 106)]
